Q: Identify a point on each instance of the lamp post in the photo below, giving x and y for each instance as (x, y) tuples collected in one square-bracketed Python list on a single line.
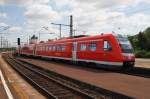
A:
[(60, 25), (46, 28), (70, 25), (4, 28)]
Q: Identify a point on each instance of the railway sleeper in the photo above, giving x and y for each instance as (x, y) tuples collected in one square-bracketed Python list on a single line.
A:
[(66, 97), (60, 91), (63, 94)]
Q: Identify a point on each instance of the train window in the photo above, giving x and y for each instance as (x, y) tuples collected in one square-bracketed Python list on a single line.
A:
[(83, 47), (63, 47), (107, 46), (46, 48), (59, 48), (92, 47), (54, 48), (49, 48), (43, 48), (40, 48)]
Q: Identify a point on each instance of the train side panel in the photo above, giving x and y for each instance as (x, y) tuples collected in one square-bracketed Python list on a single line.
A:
[(103, 49)]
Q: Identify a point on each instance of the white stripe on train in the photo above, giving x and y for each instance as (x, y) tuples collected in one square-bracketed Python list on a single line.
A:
[(94, 61)]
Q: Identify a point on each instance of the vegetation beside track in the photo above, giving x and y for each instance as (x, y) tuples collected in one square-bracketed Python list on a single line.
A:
[(141, 43), (7, 49)]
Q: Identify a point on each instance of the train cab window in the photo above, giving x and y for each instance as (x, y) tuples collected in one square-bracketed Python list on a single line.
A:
[(92, 47), (82, 47), (107, 46)]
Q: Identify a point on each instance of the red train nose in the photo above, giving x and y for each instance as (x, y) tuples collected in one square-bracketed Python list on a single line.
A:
[(129, 57)]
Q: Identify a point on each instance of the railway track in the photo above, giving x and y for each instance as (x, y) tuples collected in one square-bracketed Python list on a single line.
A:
[(57, 86), (50, 87), (136, 71)]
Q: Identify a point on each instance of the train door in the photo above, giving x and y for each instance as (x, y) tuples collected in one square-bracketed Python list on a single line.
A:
[(107, 55), (34, 50), (74, 51)]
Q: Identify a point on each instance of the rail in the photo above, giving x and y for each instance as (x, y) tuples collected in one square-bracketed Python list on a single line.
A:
[(49, 87), (87, 90)]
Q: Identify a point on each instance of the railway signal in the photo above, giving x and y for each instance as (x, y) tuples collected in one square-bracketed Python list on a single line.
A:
[(19, 46), (18, 41)]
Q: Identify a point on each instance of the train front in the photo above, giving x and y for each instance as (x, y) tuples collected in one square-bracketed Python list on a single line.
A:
[(127, 51)]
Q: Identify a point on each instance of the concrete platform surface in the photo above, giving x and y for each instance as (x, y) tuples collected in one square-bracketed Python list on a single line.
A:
[(20, 89), (141, 62), (3, 94)]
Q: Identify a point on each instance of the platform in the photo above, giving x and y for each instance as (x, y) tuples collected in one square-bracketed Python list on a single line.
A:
[(3, 94), (19, 88), (141, 62)]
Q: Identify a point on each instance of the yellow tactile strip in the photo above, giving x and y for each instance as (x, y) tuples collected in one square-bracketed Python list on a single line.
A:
[(19, 88)]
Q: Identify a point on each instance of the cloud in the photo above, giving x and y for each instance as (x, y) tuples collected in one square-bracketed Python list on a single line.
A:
[(3, 24), (23, 2), (2, 1), (38, 11), (15, 29), (103, 16), (40, 14), (4, 15), (93, 16), (11, 29)]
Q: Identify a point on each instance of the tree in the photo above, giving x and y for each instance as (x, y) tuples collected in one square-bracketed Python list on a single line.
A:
[(134, 41), (34, 37), (147, 35), (142, 41)]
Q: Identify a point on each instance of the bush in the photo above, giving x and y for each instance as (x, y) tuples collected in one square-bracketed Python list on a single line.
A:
[(147, 55), (142, 54)]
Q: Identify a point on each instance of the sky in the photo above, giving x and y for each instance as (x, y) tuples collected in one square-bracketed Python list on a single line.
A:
[(90, 17)]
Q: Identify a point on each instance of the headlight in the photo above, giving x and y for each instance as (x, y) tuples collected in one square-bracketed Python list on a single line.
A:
[(128, 56)]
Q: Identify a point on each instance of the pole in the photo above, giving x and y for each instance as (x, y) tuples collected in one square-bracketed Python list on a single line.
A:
[(60, 31), (1, 42), (74, 32), (71, 26), (39, 36), (7, 44)]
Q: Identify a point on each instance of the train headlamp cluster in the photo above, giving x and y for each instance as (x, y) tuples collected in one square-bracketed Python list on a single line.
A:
[(128, 56)]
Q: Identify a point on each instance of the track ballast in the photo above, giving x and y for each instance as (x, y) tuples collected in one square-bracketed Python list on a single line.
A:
[(57, 86)]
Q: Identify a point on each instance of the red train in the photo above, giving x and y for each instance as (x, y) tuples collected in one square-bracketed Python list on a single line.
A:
[(106, 49)]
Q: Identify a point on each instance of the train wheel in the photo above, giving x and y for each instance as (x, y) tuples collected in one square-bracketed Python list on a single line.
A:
[(128, 65)]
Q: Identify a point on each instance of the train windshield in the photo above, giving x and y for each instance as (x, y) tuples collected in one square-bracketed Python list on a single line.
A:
[(124, 44)]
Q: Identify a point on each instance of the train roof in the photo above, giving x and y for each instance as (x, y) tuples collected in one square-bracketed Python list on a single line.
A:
[(79, 38)]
